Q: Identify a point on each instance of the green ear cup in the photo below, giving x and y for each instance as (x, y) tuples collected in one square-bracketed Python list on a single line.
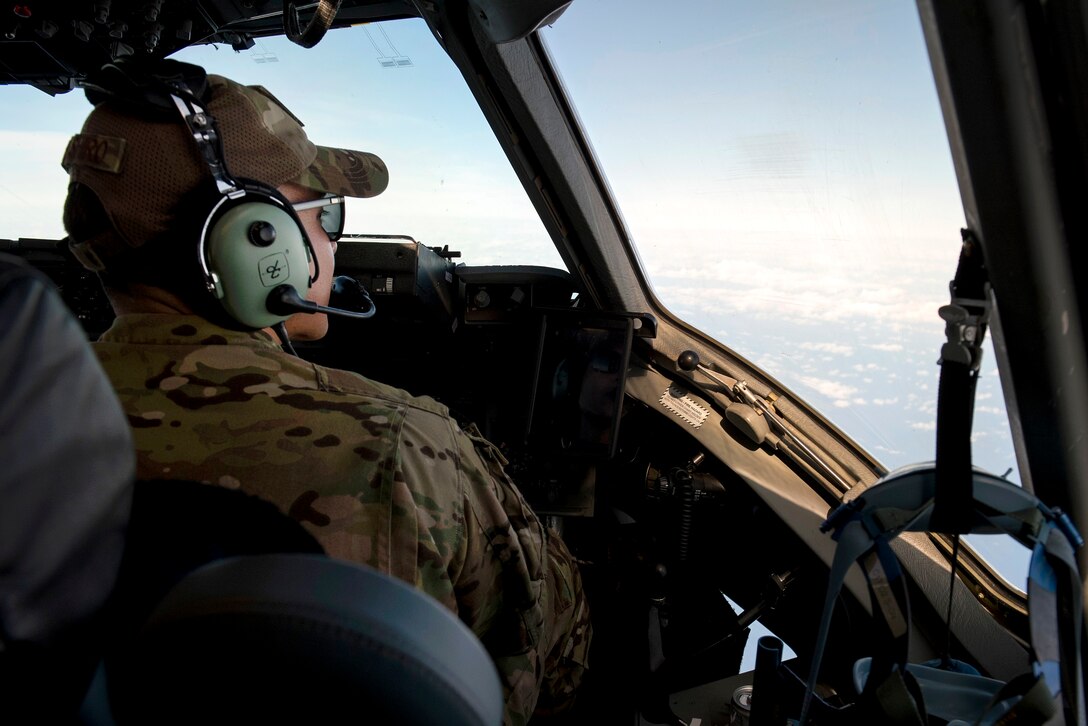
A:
[(245, 264)]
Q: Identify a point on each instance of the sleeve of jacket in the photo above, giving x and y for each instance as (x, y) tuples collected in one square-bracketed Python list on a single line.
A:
[(476, 545), (517, 586)]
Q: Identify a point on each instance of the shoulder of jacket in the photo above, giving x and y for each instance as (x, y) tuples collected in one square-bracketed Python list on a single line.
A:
[(348, 382)]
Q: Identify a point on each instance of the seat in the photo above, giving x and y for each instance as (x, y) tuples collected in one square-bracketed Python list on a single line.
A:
[(902, 693), (301, 638), (226, 610)]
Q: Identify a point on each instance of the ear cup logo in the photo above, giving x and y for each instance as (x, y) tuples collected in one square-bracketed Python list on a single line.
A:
[(244, 272), (274, 269)]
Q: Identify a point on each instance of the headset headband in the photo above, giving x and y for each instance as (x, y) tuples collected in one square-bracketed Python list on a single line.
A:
[(205, 134)]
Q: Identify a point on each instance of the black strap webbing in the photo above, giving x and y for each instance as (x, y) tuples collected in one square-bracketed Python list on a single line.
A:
[(953, 499), (965, 326)]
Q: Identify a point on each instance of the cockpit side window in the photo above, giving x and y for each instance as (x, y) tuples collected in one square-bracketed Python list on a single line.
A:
[(786, 177)]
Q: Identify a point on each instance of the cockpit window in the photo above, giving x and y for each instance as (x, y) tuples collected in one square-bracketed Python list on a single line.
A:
[(382, 87), (785, 174), (32, 184)]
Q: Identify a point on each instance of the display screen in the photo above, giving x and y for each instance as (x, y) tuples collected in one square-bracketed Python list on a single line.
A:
[(579, 383)]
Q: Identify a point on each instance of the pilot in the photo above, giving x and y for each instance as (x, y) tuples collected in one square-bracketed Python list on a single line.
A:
[(378, 476)]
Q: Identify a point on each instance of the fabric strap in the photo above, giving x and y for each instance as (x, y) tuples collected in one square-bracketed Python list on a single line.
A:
[(961, 356), (315, 30)]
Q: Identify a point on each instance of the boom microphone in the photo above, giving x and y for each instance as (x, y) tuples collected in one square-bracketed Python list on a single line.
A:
[(285, 300)]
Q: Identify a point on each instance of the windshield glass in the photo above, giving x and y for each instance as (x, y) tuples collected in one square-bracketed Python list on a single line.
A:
[(384, 87), (785, 174)]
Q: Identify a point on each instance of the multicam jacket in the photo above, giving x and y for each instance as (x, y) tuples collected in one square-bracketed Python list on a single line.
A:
[(376, 475)]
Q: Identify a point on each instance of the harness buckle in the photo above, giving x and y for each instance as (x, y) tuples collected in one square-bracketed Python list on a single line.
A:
[(965, 327)]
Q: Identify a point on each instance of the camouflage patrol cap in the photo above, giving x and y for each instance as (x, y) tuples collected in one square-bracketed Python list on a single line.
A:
[(141, 167)]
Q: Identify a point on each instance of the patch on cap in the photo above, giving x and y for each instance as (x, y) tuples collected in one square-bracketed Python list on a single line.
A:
[(94, 151)]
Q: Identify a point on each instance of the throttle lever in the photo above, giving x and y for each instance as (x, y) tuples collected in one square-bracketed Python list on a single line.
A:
[(745, 404)]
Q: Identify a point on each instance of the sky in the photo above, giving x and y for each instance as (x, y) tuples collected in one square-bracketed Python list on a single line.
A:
[(783, 169)]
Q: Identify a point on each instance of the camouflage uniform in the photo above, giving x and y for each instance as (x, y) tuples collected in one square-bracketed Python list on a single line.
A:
[(378, 476)]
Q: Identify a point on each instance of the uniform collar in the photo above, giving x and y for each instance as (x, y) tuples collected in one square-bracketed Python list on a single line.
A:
[(169, 329)]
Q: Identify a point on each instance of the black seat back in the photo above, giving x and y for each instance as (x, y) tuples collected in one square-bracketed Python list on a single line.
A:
[(66, 469), (302, 638), (179, 526)]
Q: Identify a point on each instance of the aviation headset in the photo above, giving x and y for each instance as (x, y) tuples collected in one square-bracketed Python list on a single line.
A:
[(253, 251)]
